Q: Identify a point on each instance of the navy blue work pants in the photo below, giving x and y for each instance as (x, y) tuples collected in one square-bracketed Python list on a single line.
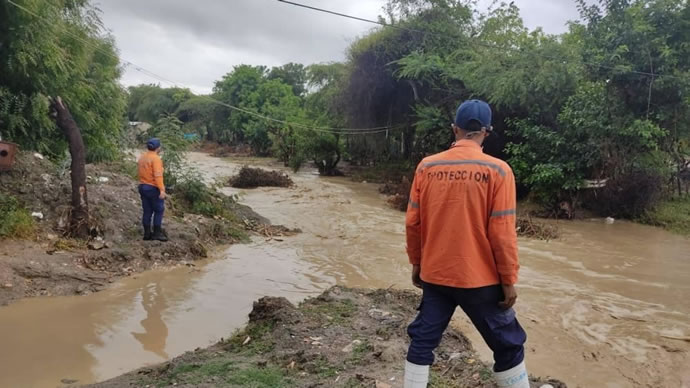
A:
[(499, 328), (152, 205)]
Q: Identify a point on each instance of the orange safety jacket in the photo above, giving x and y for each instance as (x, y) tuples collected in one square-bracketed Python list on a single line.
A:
[(151, 170), (461, 219)]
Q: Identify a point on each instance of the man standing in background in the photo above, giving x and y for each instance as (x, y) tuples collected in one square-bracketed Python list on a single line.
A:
[(152, 190), (462, 244)]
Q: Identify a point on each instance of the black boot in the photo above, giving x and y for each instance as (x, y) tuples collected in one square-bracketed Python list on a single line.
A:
[(158, 234), (147, 233)]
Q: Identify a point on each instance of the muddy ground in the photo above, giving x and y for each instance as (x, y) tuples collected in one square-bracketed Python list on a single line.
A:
[(50, 264), (343, 338)]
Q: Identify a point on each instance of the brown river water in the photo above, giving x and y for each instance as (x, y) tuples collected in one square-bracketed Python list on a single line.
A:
[(599, 304)]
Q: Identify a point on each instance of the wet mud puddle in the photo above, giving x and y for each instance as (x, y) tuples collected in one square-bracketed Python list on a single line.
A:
[(603, 307)]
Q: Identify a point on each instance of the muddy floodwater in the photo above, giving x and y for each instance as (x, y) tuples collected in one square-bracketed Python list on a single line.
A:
[(606, 303)]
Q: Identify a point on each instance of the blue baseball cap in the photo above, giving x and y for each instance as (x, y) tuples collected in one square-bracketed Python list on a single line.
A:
[(153, 143), (473, 110)]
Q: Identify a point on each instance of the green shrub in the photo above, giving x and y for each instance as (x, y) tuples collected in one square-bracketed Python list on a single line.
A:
[(673, 215), (15, 220), (198, 198)]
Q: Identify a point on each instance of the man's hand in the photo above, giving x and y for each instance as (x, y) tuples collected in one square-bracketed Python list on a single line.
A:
[(162, 195), (416, 279), (510, 296)]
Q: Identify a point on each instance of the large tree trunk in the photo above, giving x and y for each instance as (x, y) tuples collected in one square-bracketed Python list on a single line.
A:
[(79, 216)]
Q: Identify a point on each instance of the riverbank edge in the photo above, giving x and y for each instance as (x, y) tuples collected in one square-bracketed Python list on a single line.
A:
[(343, 337), (41, 262)]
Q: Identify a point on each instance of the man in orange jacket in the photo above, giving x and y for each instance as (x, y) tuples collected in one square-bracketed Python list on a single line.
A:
[(462, 244), (152, 190)]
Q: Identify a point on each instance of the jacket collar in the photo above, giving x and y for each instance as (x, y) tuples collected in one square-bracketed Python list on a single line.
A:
[(466, 143)]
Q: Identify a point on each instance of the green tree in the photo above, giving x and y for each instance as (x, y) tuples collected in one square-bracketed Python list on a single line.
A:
[(149, 103), (235, 89), (65, 51), (293, 74)]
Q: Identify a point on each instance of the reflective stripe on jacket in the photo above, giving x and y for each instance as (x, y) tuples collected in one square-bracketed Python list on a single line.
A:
[(461, 219)]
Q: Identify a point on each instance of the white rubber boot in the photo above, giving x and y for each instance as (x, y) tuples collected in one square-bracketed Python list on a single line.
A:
[(513, 378), (416, 376)]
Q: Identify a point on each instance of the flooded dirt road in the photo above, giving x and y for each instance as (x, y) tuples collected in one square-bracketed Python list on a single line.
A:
[(601, 306)]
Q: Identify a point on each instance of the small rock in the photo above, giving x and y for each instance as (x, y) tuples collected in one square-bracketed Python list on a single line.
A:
[(96, 245), (546, 386), (351, 346), (246, 340), (378, 314), (610, 220), (46, 178), (7, 285), (102, 179), (51, 236), (37, 215), (38, 156)]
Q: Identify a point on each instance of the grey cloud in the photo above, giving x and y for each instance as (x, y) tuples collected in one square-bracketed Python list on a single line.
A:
[(551, 15), (196, 43)]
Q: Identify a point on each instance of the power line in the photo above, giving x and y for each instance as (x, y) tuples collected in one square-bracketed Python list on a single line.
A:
[(352, 17), (468, 40), (337, 131)]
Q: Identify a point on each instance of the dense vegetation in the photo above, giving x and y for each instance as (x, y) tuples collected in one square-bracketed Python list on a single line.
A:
[(607, 101), (268, 109), (61, 50)]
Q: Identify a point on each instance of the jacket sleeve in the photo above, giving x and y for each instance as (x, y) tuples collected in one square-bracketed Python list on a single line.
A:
[(502, 233), (413, 229), (158, 174)]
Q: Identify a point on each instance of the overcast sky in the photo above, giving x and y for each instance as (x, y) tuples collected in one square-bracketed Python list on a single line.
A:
[(196, 43)]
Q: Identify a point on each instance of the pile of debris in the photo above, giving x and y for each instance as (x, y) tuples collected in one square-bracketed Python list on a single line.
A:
[(399, 193), (250, 178), (527, 227)]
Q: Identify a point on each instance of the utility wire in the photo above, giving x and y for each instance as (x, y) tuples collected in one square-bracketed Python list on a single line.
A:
[(473, 41), (336, 131)]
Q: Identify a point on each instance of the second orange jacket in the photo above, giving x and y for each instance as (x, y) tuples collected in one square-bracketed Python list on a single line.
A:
[(460, 221), (150, 168)]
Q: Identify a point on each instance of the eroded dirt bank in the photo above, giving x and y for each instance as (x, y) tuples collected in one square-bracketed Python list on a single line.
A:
[(342, 338), (45, 263)]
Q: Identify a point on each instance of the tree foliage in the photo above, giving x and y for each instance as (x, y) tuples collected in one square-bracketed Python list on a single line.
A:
[(63, 51), (567, 108)]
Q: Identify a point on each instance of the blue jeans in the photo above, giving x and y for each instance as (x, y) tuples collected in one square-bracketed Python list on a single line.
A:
[(152, 205), (499, 328)]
